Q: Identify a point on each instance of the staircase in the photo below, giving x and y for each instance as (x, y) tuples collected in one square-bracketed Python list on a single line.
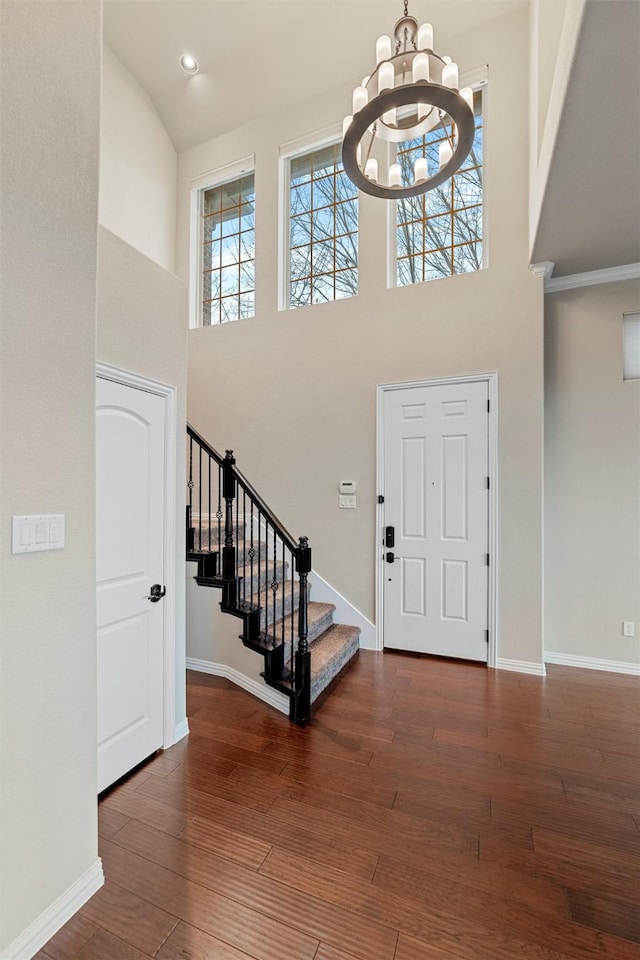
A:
[(242, 549)]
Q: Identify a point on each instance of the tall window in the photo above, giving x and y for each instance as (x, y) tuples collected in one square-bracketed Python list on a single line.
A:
[(228, 251), (440, 232), (323, 229)]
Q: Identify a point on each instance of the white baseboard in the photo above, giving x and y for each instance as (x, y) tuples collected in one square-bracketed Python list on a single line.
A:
[(181, 731), (259, 690), (55, 916), (323, 592), (521, 666), (592, 663)]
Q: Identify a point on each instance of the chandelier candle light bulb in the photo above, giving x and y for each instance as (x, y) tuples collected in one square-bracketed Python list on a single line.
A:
[(450, 75), (445, 153), (371, 169), (420, 67), (360, 98), (420, 170), (383, 48), (467, 94), (425, 37), (411, 92), (386, 77)]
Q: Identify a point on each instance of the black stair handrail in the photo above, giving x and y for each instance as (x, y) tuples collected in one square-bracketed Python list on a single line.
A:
[(248, 578), (251, 491)]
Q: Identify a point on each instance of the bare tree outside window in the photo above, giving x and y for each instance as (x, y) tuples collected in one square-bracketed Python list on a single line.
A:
[(323, 229), (439, 233), (228, 245)]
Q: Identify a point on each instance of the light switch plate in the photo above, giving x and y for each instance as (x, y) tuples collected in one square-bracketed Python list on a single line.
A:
[(37, 533), (347, 502)]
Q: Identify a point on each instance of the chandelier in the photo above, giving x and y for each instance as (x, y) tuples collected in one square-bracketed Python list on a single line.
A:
[(411, 92)]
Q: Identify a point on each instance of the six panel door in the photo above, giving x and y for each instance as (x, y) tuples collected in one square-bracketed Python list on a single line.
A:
[(436, 498)]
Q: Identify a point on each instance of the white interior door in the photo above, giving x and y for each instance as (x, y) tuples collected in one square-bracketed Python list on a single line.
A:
[(435, 449), (130, 509)]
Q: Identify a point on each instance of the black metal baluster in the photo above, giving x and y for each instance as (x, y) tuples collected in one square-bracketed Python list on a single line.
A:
[(244, 543), (260, 567), (293, 580), (219, 516), (274, 584), (283, 627), (252, 551), (209, 504), (199, 498)]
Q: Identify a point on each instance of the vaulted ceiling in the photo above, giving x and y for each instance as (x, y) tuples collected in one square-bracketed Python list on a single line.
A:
[(261, 56)]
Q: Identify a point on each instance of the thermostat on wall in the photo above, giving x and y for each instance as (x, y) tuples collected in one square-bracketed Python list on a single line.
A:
[(347, 486)]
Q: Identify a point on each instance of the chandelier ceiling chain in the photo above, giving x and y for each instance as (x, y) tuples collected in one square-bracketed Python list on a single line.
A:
[(411, 92)]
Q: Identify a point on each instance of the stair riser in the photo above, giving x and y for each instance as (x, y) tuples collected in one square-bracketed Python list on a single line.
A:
[(268, 616), (334, 667), (263, 581), (201, 535), (315, 629)]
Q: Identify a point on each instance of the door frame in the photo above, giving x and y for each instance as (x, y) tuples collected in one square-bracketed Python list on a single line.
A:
[(127, 378), (491, 379)]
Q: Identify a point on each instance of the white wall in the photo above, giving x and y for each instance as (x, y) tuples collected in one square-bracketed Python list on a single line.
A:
[(137, 167), (592, 482), (49, 194), (548, 20), (294, 393), (142, 327)]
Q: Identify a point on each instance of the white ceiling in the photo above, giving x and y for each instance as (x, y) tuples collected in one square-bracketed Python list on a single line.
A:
[(261, 56)]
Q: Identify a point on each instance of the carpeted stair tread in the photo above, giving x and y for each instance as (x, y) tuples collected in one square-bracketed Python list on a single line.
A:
[(330, 653)]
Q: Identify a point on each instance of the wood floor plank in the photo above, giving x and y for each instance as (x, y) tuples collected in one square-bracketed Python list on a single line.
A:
[(370, 941), (612, 916), (432, 810), (228, 920), (189, 942), (68, 941), (109, 821), (104, 946), (130, 917), (432, 923)]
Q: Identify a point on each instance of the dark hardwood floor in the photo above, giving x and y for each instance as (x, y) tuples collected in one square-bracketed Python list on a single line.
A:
[(432, 810)]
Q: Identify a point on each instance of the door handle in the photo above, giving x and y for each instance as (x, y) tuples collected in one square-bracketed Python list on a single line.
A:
[(157, 593), (390, 557)]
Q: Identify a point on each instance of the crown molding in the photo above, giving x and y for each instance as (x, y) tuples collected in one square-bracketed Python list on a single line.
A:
[(628, 271), (542, 270)]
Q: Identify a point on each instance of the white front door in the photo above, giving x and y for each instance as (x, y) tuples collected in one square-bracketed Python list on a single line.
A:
[(130, 514), (435, 465)]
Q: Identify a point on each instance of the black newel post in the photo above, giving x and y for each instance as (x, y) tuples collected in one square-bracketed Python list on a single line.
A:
[(302, 700), (229, 550)]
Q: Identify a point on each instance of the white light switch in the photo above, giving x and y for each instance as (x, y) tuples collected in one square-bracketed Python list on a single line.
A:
[(37, 533), (347, 502)]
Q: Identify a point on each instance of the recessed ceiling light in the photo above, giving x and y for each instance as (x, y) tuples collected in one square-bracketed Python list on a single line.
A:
[(188, 63)]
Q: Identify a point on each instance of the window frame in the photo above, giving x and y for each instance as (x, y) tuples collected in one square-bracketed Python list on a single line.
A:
[(199, 185), (329, 136), (477, 79)]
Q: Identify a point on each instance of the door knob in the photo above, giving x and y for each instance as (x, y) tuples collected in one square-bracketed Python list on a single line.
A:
[(157, 593), (390, 557)]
